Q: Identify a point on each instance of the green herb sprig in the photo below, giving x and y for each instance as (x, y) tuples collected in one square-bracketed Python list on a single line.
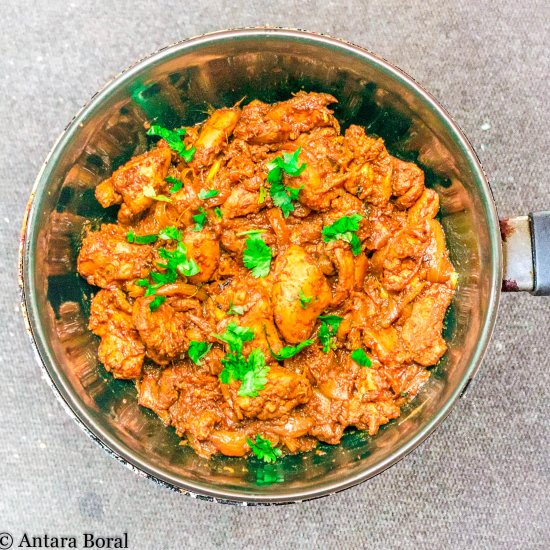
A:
[(282, 195), (345, 229), (361, 358), (264, 450), (251, 371), (257, 256), (173, 138), (176, 262), (327, 331)]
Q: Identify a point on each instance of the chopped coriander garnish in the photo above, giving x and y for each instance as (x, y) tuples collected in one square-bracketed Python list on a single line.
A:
[(328, 330), (149, 191), (197, 350), (287, 163), (345, 229), (290, 351), (361, 358), (282, 195), (304, 300), (235, 310), (173, 138), (131, 237), (204, 194), (176, 184), (257, 256), (264, 450), (200, 219), (252, 372), (254, 378), (170, 232), (156, 302), (263, 193), (218, 212), (177, 261), (251, 232), (235, 336)]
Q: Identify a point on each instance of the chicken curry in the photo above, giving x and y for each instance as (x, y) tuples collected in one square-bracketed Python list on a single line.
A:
[(270, 279)]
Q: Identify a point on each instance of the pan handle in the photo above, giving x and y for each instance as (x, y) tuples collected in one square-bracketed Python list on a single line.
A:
[(526, 245)]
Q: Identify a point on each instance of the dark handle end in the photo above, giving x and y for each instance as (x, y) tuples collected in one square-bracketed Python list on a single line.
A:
[(540, 242)]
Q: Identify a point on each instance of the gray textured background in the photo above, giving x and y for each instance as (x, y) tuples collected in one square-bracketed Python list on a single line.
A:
[(482, 480)]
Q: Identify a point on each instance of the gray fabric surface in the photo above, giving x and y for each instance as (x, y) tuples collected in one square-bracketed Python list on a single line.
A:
[(482, 480)]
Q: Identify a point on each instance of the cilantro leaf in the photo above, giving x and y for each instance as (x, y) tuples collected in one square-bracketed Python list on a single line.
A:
[(361, 358), (304, 300), (178, 261), (263, 193), (197, 350), (344, 229), (176, 184), (156, 302), (287, 163), (327, 331), (264, 450), (282, 195), (200, 219), (131, 237), (218, 212), (170, 232), (173, 138), (257, 256), (149, 191), (251, 232), (290, 351), (204, 194), (252, 372), (254, 378), (235, 336)]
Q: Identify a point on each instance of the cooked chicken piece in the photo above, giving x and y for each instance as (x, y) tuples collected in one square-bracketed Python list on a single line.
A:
[(407, 182), (144, 171), (283, 391), (386, 345), (378, 226), (436, 260), (106, 195), (230, 443), (107, 259), (295, 275), (203, 247), (422, 330), (167, 330), (343, 259), (157, 391), (370, 173), (368, 415), (188, 399), (251, 297), (241, 202), (213, 136), (398, 261), (263, 123), (425, 208), (325, 414), (332, 374), (121, 350)]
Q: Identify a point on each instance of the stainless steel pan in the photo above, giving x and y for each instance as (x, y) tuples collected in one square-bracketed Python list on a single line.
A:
[(176, 85)]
